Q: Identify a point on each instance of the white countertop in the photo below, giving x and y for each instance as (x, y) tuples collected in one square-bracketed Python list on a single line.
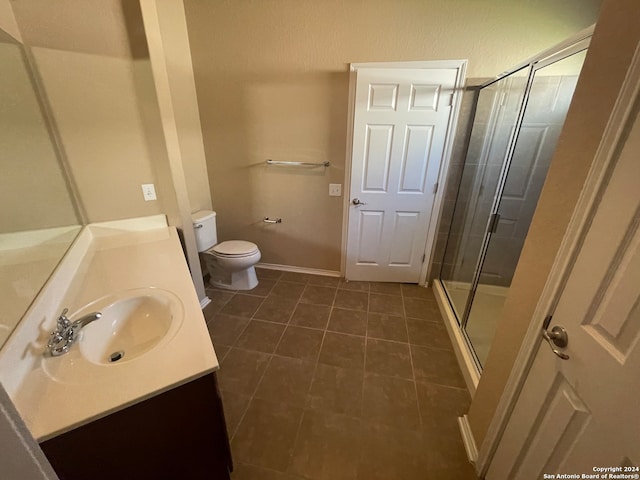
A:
[(57, 394)]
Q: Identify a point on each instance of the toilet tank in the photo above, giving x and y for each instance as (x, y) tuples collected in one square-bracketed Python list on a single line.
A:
[(204, 226)]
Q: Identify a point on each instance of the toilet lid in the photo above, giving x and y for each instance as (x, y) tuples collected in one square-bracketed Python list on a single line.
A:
[(235, 248)]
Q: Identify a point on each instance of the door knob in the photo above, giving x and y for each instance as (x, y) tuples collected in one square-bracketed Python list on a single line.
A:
[(559, 337), (356, 201)]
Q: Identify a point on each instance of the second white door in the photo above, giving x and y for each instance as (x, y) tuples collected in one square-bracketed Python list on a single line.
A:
[(402, 119)]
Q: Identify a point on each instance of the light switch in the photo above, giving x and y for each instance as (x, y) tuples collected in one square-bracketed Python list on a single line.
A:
[(335, 189), (149, 191)]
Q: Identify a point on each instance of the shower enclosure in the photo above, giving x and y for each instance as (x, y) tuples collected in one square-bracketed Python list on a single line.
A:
[(518, 119)]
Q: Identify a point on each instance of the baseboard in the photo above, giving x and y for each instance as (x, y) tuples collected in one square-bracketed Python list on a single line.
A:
[(467, 438), (289, 268), (204, 302), (463, 353)]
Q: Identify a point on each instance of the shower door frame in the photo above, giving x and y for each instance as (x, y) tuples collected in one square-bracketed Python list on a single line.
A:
[(557, 53)]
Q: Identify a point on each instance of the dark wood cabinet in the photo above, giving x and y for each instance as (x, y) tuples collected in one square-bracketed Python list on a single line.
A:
[(178, 434)]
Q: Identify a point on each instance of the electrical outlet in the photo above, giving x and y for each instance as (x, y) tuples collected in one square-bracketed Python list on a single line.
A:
[(149, 192), (335, 189)]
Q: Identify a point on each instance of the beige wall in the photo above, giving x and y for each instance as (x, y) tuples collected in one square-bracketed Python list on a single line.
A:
[(173, 43), (96, 113), (33, 191), (94, 67), (614, 42), (166, 32), (8, 20), (272, 82)]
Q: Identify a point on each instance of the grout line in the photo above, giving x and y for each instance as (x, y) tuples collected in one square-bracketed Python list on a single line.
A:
[(233, 434), (366, 337), (271, 355), (413, 370), (315, 368)]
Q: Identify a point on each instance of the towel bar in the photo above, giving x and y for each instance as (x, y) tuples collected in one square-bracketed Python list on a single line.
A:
[(305, 164)]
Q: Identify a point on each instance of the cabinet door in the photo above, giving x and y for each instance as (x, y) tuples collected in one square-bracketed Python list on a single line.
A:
[(176, 434)]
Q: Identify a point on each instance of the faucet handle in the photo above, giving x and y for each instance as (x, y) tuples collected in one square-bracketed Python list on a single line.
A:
[(63, 321)]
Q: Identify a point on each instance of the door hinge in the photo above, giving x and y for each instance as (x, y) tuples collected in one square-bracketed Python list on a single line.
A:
[(435, 187), (451, 100), (424, 256), (493, 222)]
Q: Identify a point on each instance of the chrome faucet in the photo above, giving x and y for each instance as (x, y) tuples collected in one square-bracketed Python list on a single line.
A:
[(67, 332)]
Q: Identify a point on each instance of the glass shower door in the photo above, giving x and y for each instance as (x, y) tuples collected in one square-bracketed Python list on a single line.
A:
[(548, 101), (496, 114)]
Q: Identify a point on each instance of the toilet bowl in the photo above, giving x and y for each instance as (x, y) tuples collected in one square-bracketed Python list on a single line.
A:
[(230, 264)]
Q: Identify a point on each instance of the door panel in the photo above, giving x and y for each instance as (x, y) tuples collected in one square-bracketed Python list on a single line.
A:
[(596, 423), (370, 236), (402, 239), (377, 159), (401, 122), (415, 159)]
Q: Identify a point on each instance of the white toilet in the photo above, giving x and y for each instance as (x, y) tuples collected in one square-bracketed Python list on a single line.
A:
[(230, 264)]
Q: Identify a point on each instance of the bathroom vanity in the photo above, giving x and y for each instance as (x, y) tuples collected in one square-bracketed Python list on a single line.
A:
[(176, 434), (136, 395)]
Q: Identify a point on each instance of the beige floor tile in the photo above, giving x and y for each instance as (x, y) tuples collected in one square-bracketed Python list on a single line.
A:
[(218, 299), (318, 295), (387, 327), (390, 401), (327, 447), (295, 277), (267, 273), (354, 300), (354, 286), (276, 309), (386, 288), (263, 288), (388, 358), (225, 329), (344, 351), (417, 291), (241, 371), (324, 280), (423, 309), (428, 334), (235, 404), (392, 454), (289, 290), (260, 336), (336, 390), (221, 351), (266, 434), (299, 342), (286, 380), (374, 425), (353, 322), (436, 365), (311, 316), (446, 456), (389, 304), (242, 305), (441, 406)]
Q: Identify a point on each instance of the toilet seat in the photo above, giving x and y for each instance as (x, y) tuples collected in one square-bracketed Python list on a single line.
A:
[(234, 249)]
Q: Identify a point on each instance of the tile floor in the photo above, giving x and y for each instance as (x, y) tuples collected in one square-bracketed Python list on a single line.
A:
[(323, 379)]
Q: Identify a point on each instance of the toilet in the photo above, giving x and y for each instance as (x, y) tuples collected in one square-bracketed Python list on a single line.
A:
[(231, 263)]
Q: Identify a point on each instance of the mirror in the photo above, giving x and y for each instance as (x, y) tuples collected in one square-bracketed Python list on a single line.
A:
[(38, 218)]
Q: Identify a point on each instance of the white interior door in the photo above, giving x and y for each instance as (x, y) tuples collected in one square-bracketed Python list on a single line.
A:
[(401, 122), (576, 414)]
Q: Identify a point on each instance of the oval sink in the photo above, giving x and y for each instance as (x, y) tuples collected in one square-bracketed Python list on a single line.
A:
[(132, 323)]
